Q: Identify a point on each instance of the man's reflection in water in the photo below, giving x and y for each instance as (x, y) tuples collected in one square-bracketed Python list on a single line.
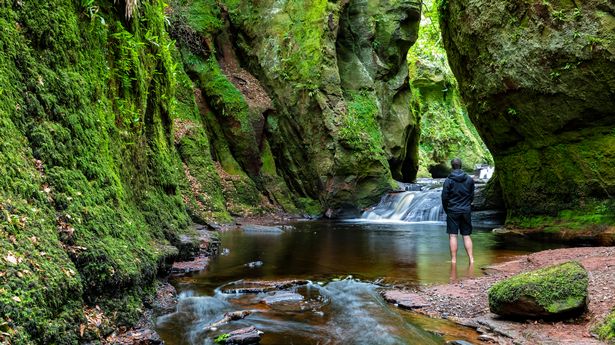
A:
[(453, 275), (468, 274), (471, 270)]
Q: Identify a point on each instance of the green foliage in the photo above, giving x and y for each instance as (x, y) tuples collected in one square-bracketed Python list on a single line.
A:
[(201, 15), (555, 288), (221, 339)]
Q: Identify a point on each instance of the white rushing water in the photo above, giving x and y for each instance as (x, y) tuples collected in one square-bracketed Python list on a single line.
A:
[(414, 206), (346, 311)]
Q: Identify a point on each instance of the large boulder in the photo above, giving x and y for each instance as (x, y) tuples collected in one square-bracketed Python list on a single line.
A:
[(537, 77), (550, 292)]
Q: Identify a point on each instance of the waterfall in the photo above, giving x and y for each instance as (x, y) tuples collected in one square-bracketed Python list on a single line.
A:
[(412, 206)]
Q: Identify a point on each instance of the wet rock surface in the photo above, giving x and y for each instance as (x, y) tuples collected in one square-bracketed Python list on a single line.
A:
[(205, 244), (262, 228), (465, 302), (405, 299), (244, 336), (228, 317)]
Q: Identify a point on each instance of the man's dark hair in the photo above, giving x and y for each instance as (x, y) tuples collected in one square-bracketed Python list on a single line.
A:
[(456, 163)]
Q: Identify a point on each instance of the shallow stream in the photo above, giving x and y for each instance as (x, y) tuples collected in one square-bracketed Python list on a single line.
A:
[(346, 264)]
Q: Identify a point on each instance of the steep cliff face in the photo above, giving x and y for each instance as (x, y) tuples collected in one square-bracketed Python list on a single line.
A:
[(90, 179), (372, 42), (115, 140), (336, 75), (538, 80), (446, 130)]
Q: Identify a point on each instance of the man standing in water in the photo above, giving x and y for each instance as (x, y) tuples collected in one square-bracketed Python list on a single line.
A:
[(457, 196)]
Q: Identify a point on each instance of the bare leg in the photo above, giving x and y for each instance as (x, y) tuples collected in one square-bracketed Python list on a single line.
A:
[(452, 240), (467, 242)]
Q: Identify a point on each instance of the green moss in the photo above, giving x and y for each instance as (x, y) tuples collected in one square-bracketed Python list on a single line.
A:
[(446, 130), (359, 129), (204, 189), (90, 174), (275, 186), (203, 15), (222, 94), (557, 289), (593, 213), (294, 37), (606, 329), (221, 339)]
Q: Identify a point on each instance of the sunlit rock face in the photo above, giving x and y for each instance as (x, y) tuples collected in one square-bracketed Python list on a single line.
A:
[(341, 128), (538, 79)]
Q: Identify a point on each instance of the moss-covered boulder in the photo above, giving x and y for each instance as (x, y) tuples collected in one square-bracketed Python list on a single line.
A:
[(606, 329), (550, 292), (537, 77)]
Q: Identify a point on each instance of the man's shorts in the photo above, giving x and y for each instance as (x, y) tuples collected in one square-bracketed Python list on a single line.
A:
[(459, 223)]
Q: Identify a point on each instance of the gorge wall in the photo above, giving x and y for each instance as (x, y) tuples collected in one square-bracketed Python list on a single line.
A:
[(446, 130), (124, 122), (537, 77), (340, 127)]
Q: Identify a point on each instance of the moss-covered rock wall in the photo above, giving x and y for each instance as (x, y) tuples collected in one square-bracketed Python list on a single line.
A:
[(90, 178), (446, 130), (538, 80), (112, 148), (337, 125)]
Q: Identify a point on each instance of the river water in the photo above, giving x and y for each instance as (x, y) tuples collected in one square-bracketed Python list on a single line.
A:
[(346, 263)]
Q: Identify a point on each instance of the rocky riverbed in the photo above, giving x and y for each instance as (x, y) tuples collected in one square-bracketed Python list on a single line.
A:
[(465, 301)]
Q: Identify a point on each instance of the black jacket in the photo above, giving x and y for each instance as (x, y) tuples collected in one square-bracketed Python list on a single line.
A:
[(458, 192)]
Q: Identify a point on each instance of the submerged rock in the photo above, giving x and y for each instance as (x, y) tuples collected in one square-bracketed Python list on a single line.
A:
[(258, 286), (458, 342), (550, 292), (261, 228), (243, 336), (282, 296)]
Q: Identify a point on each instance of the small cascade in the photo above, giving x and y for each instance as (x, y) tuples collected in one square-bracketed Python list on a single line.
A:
[(413, 206)]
